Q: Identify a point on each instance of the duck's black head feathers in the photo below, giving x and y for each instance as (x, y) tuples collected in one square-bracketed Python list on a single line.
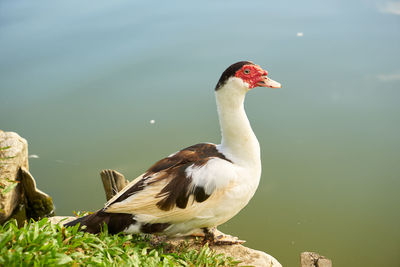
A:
[(230, 72)]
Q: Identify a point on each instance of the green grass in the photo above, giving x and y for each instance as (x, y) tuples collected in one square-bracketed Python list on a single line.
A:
[(44, 244)]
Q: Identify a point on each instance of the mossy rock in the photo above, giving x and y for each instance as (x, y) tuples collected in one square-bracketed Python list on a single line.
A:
[(38, 204)]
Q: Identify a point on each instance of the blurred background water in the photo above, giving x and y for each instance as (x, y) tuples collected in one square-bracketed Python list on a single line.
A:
[(82, 81)]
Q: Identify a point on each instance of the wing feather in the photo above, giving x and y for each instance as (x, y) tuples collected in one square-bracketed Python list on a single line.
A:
[(177, 188), (144, 205)]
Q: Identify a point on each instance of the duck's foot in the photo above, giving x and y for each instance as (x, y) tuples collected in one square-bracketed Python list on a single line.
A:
[(215, 237)]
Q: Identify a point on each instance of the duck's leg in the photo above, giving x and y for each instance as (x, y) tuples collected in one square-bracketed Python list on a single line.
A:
[(215, 237)]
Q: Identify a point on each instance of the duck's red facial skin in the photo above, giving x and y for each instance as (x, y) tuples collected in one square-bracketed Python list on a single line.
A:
[(252, 74)]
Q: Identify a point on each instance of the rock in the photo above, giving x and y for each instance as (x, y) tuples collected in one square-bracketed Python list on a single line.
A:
[(19, 196), (38, 203), (13, 155), (61, 219), (312, 259), (113, 182), (247, 256)]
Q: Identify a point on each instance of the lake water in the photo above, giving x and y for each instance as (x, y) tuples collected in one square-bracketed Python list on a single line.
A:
[(81, 81)]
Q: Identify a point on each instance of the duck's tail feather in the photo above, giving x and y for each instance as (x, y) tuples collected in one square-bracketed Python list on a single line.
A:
[(93, 223)]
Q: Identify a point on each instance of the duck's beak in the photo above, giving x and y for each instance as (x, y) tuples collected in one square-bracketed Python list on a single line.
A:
[(267, 82)]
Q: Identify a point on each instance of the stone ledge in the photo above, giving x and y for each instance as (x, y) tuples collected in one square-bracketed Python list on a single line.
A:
[(247, 256)]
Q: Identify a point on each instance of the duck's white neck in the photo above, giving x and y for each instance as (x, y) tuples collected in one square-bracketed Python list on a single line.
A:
[(239, 142)]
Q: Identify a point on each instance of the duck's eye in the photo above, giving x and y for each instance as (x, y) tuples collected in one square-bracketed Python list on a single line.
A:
[(246, 71)]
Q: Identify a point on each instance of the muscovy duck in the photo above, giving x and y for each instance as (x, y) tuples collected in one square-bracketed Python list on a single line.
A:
[(202, 186)]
